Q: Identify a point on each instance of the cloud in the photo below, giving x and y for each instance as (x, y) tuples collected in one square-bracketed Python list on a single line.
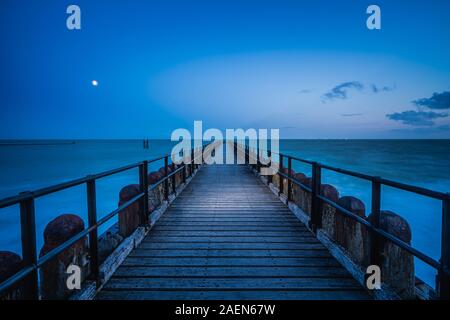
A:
[(341, 91), (436, 101), (416, 118), (377, 89), (304, 91), (351, 114), (431, 132)]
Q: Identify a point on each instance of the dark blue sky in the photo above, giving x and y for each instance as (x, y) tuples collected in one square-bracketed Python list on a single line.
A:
[(311, 69)]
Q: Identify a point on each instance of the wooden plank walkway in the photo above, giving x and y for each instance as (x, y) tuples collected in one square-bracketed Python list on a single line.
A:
[(228, 237)]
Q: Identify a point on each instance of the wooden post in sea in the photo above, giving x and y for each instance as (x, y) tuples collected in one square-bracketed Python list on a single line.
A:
[(10, 264), (53, 274), (397, 265), (130, 218)]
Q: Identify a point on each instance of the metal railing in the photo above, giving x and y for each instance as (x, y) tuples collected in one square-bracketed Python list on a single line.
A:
[(442, 266), (28, 275)]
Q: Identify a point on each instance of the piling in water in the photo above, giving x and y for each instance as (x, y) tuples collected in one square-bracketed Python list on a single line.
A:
[(10, 264), (397, 265), (129, 218), (53, 274)]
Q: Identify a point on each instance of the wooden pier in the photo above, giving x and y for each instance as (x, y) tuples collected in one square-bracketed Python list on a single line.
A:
[(198, 231), (227, 236)]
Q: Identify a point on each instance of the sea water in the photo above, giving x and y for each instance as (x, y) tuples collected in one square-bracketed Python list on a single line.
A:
[(29, 165)]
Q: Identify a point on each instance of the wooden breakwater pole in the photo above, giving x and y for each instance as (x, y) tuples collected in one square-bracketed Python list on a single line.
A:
[(354, 246), (10, 264), (97, 257)]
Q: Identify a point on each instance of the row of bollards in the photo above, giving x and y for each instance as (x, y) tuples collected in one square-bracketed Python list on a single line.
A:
[(396, 264), (53, 274)]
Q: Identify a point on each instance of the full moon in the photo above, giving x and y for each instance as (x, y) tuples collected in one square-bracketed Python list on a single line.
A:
[(94, 83)]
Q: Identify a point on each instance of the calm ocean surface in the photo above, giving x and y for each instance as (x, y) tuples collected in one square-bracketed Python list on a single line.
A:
[(425, 163)]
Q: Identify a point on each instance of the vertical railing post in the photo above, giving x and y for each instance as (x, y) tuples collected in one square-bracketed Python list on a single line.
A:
[(93, 235), (174, 186), (246, 150), (444, 278), (375, 212), (281, 178), (257, 155), (183, 164), (28, 237), (316, 212), (192, 163), (289, 185), (235, 147), (143, 184), (269, 154), (166, 180)]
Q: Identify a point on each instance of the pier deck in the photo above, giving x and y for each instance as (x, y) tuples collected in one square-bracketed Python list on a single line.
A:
[(226, 236)]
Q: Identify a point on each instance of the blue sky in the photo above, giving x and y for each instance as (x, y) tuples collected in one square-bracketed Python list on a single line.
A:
[(312, 68)]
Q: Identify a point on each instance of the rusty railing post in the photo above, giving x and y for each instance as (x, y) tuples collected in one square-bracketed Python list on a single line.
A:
[(444, 278), (270, 177), (174, 186), (93, 235), (375, 211), (191, 166), (316, 212), (289, 185), (166, 180), (28, 237), (281, 177), (257, 155), (143, 183)]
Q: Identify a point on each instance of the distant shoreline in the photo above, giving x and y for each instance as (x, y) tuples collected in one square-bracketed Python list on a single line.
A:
[(36, 144)]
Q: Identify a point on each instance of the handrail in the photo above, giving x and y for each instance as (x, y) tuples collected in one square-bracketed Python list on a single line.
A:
[(26, 200), (442, 266), (7, 202)]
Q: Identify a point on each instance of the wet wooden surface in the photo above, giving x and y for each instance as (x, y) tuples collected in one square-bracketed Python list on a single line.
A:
[(228, 237)]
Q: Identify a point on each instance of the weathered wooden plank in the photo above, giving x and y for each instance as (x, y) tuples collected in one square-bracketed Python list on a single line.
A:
[(224, 219), (202, 227), (227, 233), (235, 295), (212, 271), (215, 253), (235, 261), (230, 245), (295, 224), (232, 283)]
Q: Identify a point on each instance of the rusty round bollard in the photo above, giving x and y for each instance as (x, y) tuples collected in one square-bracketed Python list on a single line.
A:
[(394, 224), (300, 177), (53, 274), (154, 177), (330, 192), (286, 171), (129, 218), (285, 181), (162, 170), (301, 197), (307, 182), (61, 229), (397, 265), (353, 204), (350, 234), (10, 264), (329, 212)]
